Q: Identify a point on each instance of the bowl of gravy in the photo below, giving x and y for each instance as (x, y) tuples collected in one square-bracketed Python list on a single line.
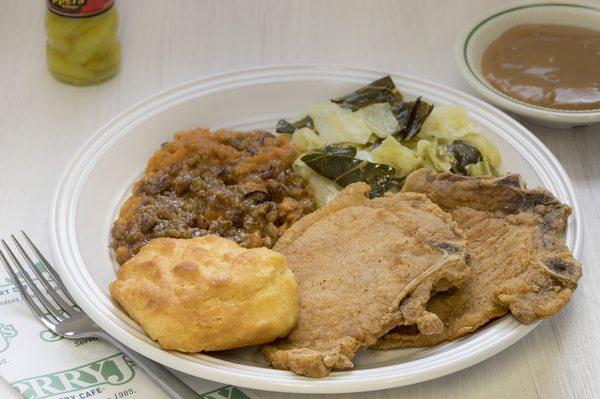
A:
[(538, 60)]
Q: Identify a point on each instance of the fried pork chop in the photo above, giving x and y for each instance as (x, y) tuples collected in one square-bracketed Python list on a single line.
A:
[(363, 267), (518, 258)]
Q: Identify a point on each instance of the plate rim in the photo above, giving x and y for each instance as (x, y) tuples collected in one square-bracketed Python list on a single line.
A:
[(72, 178)]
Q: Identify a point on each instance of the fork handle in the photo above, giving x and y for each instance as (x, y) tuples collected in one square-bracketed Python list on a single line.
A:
[(164, 378)]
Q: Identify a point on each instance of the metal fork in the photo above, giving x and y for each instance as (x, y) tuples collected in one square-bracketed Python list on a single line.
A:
[(57, 310)]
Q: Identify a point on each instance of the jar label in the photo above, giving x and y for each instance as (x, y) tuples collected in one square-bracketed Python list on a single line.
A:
[(79, 8)]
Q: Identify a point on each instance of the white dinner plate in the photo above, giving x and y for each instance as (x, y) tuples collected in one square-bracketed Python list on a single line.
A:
[(101, 173)]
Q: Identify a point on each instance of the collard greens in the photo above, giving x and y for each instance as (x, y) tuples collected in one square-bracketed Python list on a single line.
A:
[(410, 116), (372, 135), (339, 165)]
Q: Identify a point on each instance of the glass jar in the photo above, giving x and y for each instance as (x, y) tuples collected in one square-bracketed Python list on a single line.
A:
[(83, 46)]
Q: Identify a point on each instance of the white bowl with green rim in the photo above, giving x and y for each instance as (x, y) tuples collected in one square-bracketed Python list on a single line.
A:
[(475, 38)]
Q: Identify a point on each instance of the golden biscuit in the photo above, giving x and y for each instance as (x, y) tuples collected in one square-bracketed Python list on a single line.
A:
[(207, 293)]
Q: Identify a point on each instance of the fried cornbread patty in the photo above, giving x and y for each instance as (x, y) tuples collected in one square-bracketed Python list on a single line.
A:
[(207, 293), (237, 185)]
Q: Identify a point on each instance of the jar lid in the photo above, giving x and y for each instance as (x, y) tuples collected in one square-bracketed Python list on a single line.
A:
[(79, 8)]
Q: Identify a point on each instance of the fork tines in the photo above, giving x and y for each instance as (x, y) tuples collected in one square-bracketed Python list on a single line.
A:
[(52, 307)]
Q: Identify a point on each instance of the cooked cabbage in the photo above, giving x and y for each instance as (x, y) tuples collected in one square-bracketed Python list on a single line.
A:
[(364, 155), (380, 119), (480, 169), (448, 122), (335, 124), (324, 189), (306, 140), (447, 141), (486, 147), (392, 153)]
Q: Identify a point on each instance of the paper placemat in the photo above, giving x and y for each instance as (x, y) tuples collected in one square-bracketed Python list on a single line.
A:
[(39, 364)]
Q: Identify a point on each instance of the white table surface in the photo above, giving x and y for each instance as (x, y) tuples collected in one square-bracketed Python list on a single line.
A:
[(42, 122)]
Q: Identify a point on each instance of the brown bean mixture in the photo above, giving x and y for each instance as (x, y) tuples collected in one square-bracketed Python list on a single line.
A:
[(238, 185)]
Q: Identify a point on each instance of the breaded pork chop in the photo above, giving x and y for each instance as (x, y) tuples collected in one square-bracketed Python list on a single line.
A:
[(362, 267), (519, 261)]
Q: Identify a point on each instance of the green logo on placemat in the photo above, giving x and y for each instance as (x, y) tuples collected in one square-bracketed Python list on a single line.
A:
[(7, 332), (7, 281), (113, 370), (228, 392), (49, 336)]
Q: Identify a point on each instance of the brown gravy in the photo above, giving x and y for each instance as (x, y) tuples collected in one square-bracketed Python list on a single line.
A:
[(553, 66)]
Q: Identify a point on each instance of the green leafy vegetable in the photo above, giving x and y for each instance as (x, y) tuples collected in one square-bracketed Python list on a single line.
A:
[(419, 111), (402, 112), (380, 91), (284, 126), (410, 116), (340, 166), (324, 189), (372, 135), (392, 184), (464, 154), (332, 149)]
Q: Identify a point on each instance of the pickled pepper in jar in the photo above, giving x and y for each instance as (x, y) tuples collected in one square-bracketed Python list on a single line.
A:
[(83, 46)]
